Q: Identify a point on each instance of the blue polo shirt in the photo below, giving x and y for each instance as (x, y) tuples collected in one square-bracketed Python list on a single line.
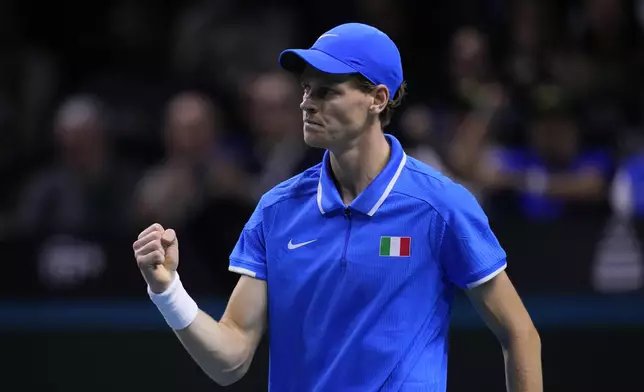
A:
[(359, 296), (541, 207)]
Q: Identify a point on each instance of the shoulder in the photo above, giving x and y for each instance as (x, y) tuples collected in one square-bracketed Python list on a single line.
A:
[(301, 185), (442, 194)]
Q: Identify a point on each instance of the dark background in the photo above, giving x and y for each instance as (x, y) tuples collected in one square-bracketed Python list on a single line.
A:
[(117, 114)]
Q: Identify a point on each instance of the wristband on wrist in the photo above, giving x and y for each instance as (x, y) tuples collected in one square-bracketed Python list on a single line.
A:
[(177, 307)]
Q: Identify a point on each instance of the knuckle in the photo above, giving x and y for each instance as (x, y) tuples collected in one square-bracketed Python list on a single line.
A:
[(156, 246), (158, 256)]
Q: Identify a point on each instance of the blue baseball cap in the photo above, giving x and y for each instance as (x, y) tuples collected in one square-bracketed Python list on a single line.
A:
[(351, 48)]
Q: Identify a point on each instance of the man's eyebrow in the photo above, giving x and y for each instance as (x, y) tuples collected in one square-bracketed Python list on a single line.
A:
[(323, 83)]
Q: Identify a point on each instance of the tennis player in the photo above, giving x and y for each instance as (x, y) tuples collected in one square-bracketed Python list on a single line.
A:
[(351, 266)]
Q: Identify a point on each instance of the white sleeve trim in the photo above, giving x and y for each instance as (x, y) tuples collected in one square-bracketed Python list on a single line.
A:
[(488, 277), (243, 271)]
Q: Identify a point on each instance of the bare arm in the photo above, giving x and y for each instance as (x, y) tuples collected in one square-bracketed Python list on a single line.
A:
[(586, 185), (225, 349), (502, 310)]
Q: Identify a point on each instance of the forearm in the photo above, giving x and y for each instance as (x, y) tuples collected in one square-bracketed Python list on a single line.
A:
[(575, 188), (587, 186), (500, 306), (523, 363), (220, 350)]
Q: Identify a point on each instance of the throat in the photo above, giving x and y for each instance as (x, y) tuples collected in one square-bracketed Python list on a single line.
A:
[(355, 168)]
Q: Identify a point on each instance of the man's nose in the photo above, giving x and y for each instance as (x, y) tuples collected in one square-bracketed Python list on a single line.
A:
[(307, 105)]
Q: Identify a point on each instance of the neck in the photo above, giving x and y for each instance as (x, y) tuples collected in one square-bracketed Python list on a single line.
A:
[(356, 166)]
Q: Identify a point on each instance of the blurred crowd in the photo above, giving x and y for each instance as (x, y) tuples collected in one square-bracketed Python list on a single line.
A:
[(118, 114)]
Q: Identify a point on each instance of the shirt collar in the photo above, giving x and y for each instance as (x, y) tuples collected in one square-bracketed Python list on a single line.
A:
[(374, 195)]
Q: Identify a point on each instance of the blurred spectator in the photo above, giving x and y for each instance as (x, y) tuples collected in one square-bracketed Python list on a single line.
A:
[(476, 98), (199, 189), (417, 126), (619, 260), (198, 165), (223, 43), (79, 200), (469, 132), (470, 68), (277, 151), (526, 40), (552, 174), (208, 154), (608, 36), (84, 192)]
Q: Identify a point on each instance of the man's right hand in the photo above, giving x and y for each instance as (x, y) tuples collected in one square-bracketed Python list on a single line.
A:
[(157, 255)]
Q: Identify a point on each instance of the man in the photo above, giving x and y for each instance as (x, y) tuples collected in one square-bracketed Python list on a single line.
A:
[(352, 264)]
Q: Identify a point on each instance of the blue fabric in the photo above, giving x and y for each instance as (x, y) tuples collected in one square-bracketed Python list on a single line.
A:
[(341, 316), (351, 48), (541, 207), (634, 168)]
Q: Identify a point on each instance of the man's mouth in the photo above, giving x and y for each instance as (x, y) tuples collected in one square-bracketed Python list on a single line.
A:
[(307, 121)]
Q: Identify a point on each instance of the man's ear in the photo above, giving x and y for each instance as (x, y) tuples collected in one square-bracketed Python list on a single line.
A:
[(380, 98)]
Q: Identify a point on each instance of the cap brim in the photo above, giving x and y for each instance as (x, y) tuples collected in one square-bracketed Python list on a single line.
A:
[(295, 60)]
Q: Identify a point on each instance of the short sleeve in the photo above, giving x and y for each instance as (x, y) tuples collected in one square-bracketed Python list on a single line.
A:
[(468, 250), (509, 160), (249, 254)]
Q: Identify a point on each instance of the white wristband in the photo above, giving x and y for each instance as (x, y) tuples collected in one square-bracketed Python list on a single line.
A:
[(176, 306)]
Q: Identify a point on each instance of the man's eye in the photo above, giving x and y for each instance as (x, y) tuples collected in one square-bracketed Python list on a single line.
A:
[(325, 92)]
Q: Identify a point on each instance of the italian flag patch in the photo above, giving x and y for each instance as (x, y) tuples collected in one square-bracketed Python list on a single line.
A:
[(395, 246)]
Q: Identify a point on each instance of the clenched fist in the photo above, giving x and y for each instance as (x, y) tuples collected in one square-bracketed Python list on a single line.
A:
[(157, 255)]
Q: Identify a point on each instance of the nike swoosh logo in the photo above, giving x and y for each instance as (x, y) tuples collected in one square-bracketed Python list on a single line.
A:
[(325, 36), (292, 246)]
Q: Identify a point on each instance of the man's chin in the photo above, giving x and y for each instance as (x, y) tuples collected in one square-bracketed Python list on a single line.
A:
[(315, 139)]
